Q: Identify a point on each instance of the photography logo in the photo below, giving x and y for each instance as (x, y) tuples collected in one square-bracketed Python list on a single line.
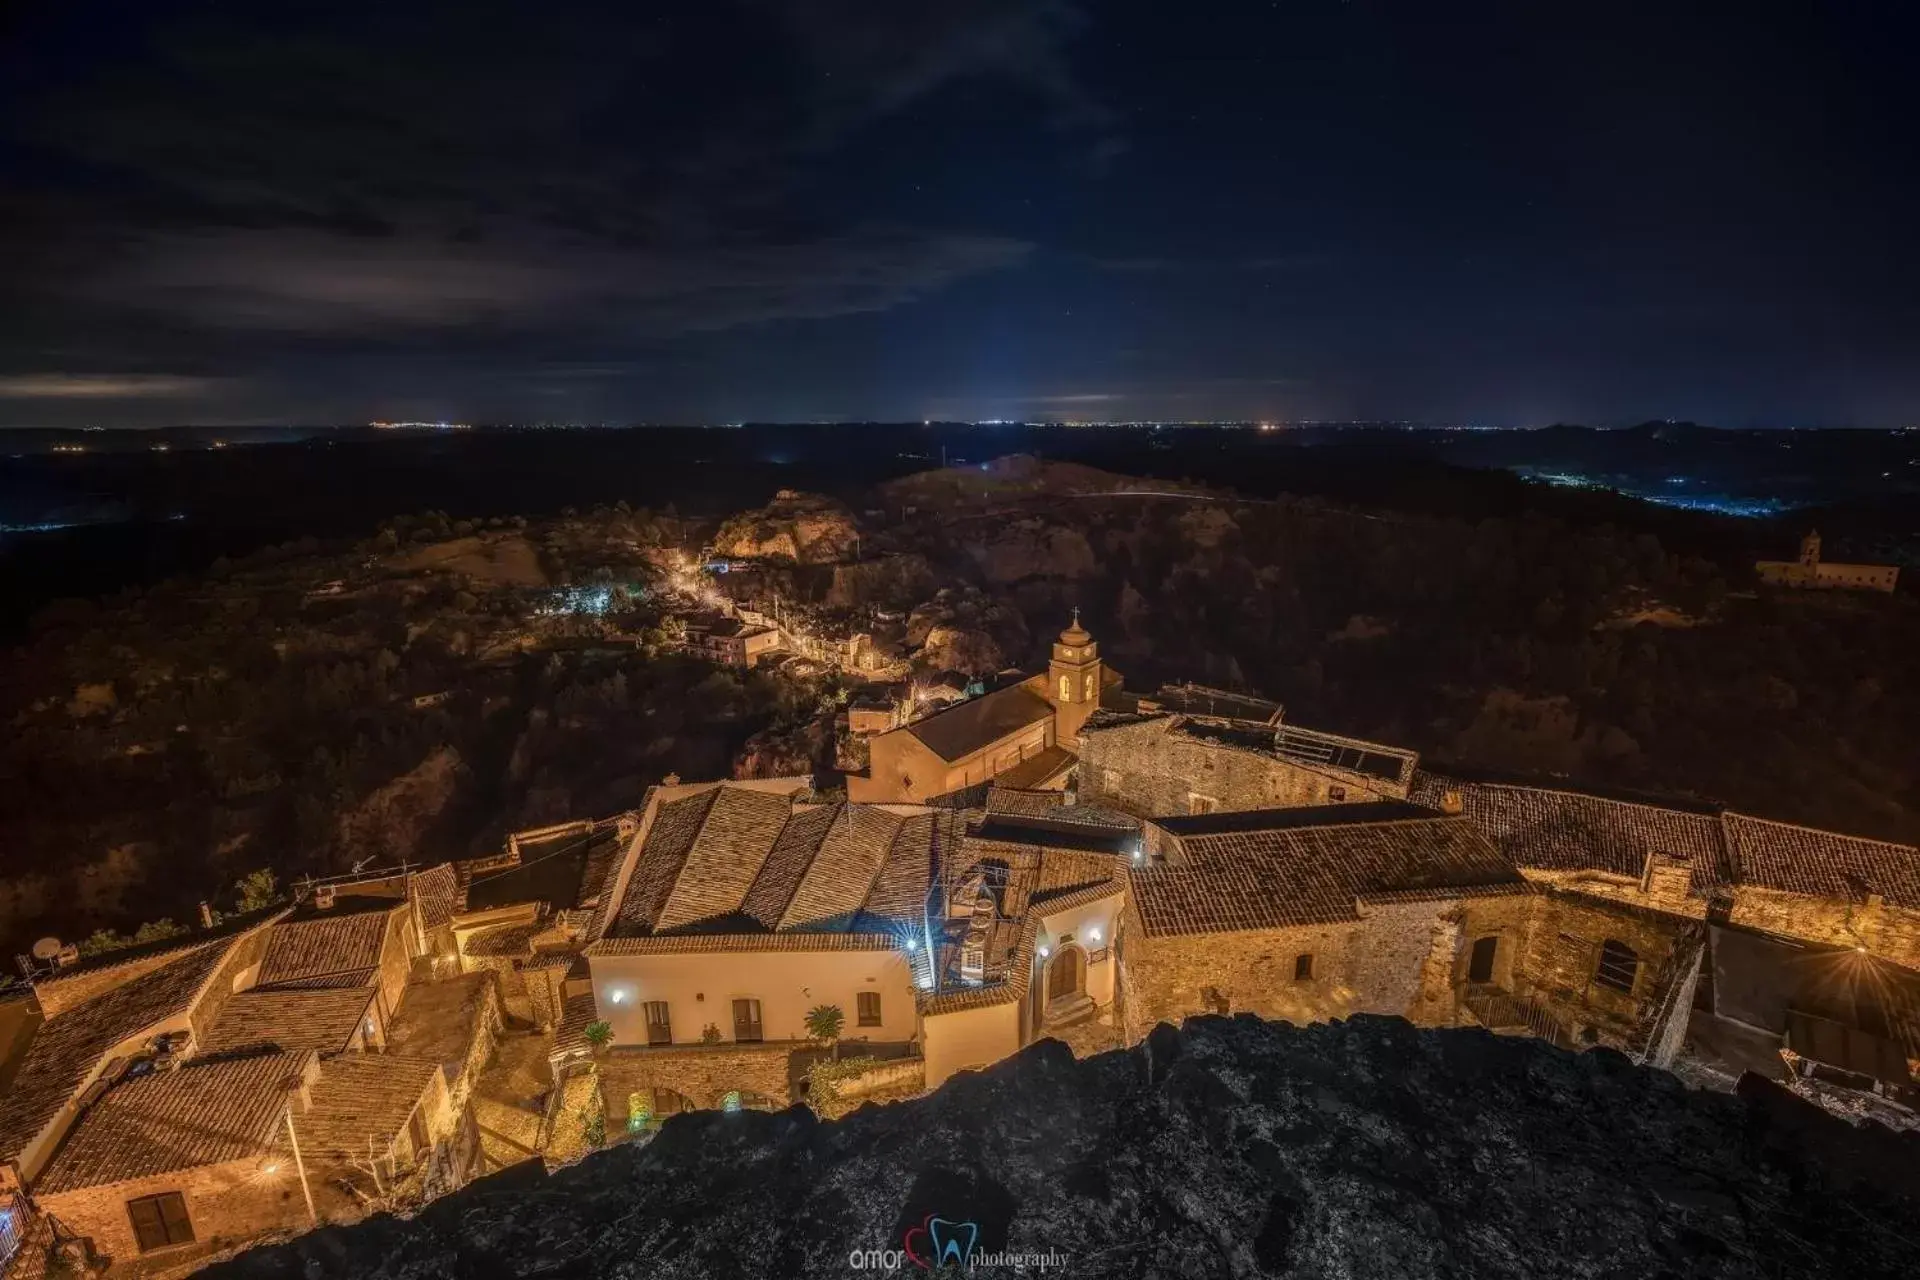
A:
[(939, 1244)]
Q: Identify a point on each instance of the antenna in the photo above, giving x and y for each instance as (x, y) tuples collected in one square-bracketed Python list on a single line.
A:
[(47, 948)]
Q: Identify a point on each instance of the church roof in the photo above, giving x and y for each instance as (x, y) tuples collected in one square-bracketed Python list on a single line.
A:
[(959, 732)]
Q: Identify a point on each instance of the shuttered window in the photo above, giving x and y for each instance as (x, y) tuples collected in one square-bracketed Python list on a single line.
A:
[(159, 1221), (659, 1029), (869, 1007)]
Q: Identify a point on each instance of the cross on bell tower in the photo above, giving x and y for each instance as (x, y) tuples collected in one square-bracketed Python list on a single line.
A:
[(1073, 680)]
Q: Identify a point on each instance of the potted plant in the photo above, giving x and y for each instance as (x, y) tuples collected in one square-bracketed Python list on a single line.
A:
[(599, 1035)]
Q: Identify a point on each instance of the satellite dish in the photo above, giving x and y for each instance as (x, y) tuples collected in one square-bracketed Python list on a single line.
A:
[(47, 948)]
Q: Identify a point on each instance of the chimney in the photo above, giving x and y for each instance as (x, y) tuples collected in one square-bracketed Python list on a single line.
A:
[(1452, 802), (206, 916), (671, 780), (323, 897)]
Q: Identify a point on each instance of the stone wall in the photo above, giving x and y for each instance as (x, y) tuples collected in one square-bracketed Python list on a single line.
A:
[(1891, 933), (239, 966), (1148, 770), (702, 1074), (227, 1203), (1398, 960), (1563, 954)]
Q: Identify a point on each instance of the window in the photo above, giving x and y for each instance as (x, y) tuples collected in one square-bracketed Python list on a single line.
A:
[(746, 1020), (1303, 968), (159, 1221), (1336, 793), (659, 1027), (1197, 803), (1089, 687), (1110, 781), (1066, 688), (869, 1008), (1619, 963), (1480, 966)]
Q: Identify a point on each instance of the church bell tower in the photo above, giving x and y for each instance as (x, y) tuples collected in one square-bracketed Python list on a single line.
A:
[(1073, 681)]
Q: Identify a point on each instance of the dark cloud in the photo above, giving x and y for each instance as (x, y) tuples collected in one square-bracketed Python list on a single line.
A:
[(369, 179)]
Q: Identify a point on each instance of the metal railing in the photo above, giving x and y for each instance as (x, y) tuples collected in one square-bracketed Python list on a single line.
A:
[(1501, 1010)]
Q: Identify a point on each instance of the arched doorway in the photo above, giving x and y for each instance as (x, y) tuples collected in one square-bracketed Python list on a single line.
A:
[(1066, 973)]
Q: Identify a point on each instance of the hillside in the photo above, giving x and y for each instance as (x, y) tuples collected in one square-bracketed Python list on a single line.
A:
[(1234, 1147)]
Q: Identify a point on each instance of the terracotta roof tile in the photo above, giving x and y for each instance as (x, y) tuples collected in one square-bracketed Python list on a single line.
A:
[(193, 1115), (288, 1021), (437, 893), (739, 832), (898, 897), (1557, 830), (676, 825), (1307, 875), (316, 947), (67, 1047), (359, 1096), (346, 978), (1779, 855), (772, 889), (843, 871)]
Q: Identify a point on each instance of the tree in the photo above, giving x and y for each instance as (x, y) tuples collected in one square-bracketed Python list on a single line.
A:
[(824, 1022), (257, 890)]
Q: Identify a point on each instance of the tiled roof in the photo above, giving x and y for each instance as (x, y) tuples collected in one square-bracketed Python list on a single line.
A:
[(772, 889), (676, 825), (577, 1014), (677, 944), (360, 1096), (1000, 798), (1557, 830), (1779, 855), (1037, 770), (898, 897), (512, 939), (740, 829), (346, 978), (323, 945), (69, 1045), (200, 1113), (842, 873), (288, 1021), (958, 732), (1307, 874), (436, 891)]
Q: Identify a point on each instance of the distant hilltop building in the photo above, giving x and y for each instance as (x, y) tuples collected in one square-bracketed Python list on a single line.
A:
[(1810, 571)]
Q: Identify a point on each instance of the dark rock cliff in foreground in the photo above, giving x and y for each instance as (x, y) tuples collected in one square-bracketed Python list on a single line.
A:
[(1234, 1147)]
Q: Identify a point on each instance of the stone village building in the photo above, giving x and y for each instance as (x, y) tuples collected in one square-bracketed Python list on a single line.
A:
[(1193, 853), (185, 1096)]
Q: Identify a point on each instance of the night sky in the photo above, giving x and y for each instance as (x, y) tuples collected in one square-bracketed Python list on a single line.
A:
[(649, 211)]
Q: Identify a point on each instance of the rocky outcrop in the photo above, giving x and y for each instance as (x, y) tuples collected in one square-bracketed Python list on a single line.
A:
[(893, 581), (1034, 549), (1234, 1147), (805, 528), (390, 824)]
